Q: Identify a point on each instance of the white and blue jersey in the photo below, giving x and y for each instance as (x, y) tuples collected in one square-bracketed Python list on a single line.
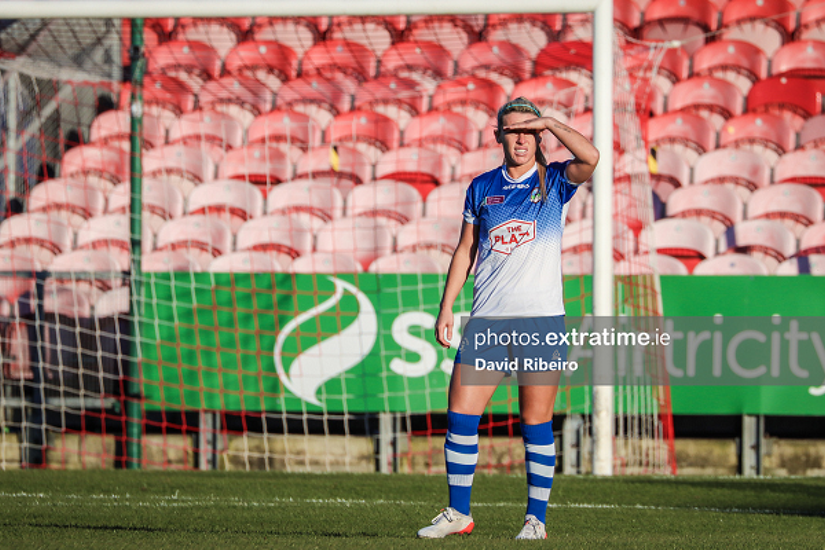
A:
[(518, 271)]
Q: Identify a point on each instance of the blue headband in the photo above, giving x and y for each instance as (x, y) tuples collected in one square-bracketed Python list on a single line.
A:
[(509, 106)]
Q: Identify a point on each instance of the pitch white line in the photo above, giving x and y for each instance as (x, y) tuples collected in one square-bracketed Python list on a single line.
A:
[(164, 501)]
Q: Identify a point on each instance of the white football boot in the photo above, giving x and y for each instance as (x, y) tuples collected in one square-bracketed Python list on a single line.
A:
[(449, 522), (533, 529)]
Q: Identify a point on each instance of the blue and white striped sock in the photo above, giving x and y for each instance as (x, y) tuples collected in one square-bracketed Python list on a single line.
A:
[(540, 460), (461, 453)]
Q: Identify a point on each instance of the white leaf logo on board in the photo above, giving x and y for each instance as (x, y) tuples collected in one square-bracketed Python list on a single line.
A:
[(333, 356)]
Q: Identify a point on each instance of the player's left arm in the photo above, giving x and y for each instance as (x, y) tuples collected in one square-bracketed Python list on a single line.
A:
[(585, 154)]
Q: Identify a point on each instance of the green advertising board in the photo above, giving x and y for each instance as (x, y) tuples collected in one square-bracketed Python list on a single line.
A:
[(363, 343)]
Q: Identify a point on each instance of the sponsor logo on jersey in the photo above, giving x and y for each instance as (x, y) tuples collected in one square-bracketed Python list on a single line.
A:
[(516, 186), (494, 199), (509, 235)]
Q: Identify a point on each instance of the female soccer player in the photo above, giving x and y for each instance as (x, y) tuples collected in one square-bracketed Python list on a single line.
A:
[(515, 277)]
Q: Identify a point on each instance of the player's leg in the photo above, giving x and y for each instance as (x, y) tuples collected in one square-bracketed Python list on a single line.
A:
[(536, 403), (466, 405)]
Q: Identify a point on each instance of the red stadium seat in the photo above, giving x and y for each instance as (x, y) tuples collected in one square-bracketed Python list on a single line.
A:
[(364, 238), (215, 131), (71, 200), (804, 58), (299, 33), (630, 208), (405, 262), (731, 264), (111, 233), (447, 201), (764, 133), (579, 26), (155, 31), (200, 237), (114, 128), (41, 236), (22, 264), (375, 33), (477, 162), (113, 303), (804, 166), (531, 31), (766, 24), (555, 96), (740, 63), (259, 164), (164, 97), (577, 264), (578, 239), (741, 171), (501, 62), (193, 63), (267, 61), (477, 98), (420, 167), (326, 262), (351, 164), (716, 206), (222, 33), (672, 172), (569, 60), (371, 133), (812, 134), (161, 201), (318, 97), (241, 97), (435, 237), (99, 166), (447, 132), (686, 21), (576, 211), (794, 204), (68, 300), (689, 241), (339, 59), (427, 63), (812, 240), (181, 165), (394, 202), (246, 261), (687, 134), (164, 261), (398, 98), (803, 265), (766, 240), (313, 202), (291, 131), (793, 98), (712, 98), (232, 201), (282, 237), (453, 32), (70, 269), (660, 264), (583, 124), (664, 68), (811, 19)]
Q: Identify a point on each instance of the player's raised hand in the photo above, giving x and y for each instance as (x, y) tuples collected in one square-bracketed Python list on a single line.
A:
[(444, 327), (536, 124)]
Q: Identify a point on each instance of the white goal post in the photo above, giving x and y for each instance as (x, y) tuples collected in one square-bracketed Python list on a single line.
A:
[(602, 110)]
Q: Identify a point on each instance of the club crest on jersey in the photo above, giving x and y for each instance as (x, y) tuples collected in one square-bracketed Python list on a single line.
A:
[(493, 199), (535, 196), (506, 237)]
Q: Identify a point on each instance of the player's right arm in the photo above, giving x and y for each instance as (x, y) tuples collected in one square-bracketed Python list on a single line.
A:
[(460, 266)]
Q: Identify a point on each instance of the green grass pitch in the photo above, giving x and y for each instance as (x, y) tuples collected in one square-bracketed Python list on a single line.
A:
[(134, 509)]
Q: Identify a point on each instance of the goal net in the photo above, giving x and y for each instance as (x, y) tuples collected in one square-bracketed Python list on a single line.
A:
[(296, 185)]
